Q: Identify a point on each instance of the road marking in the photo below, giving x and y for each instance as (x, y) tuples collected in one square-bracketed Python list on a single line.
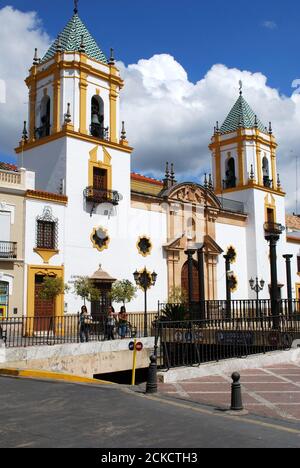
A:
[(180, 390), (211, 413)]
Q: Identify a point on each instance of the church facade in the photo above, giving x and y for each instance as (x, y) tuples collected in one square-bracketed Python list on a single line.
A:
[(87, 208)]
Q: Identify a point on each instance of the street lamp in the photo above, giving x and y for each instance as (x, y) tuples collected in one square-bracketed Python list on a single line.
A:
[(257, 286), (145, 280)]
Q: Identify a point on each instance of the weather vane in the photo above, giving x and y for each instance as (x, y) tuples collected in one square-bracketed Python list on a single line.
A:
[(241, 86), (75, 6)]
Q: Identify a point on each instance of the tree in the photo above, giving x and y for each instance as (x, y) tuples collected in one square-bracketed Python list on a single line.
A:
[(52, 287), (84, 288), (123, 292)]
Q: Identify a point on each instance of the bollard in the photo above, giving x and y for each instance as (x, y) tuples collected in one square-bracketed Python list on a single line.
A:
[(151, 386), (236, 393)]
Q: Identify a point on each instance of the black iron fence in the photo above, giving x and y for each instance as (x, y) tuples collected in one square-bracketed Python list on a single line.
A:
[(230, 310), (41, 331), (192, 343)]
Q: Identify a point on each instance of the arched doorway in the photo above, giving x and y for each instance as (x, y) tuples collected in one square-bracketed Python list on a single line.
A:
[(185, 281), (44, 309)]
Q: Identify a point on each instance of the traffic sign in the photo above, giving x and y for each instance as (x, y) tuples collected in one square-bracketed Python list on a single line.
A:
[(139, 346), (131, 346)]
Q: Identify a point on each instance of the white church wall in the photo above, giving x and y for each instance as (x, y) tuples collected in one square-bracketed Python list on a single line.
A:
[(235, 236), (48, 162)]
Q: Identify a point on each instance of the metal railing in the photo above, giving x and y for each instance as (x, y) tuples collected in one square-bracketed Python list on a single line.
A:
[(41, 331), (42, 131), (95, 195), (232, 205), (230, 310), (191, 343), (98, 131), (8, 250), (274, 228)]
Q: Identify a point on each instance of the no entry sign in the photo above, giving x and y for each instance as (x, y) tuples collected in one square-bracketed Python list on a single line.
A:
[(139, 346)]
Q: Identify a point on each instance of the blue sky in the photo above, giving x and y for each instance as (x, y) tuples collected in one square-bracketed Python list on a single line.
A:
[(197, 33)]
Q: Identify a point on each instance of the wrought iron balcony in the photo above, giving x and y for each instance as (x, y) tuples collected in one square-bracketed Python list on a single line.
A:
[(8, 250), (98, 196), (98, 131), (273, 228)]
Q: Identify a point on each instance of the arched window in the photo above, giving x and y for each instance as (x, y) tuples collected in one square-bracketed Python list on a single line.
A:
[(97, 117), (191, 229), (230, 180), (266, 172), (44, 128)]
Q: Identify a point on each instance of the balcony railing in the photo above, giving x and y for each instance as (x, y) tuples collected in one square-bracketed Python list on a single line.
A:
[(8, 250), (268, 183), (99, 196), (98, 131), (273, 228), (230, 182), (232, 205), (42, 131)]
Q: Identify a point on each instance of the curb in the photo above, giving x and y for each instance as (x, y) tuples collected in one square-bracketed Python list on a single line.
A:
[(37, 374)]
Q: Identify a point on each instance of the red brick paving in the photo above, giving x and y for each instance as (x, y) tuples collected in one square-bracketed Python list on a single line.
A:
[(271, 392)]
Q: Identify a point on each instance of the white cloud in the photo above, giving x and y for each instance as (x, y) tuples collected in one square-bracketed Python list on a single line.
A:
[(168, 118), (270, 25), (20, 33)]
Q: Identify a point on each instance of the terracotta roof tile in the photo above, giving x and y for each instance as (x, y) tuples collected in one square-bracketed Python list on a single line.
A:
[(293, 222), (8, 167), (142, 178)]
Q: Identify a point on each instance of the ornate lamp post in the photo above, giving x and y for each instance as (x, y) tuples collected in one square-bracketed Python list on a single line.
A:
[(273, 232), (257, 286), (145, 280)]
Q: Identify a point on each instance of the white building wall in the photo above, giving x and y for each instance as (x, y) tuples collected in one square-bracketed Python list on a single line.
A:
[(257, 246), (235, 236), (49, 163)]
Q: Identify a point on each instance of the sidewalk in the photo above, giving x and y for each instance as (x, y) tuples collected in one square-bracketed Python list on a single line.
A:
[(272, 391)]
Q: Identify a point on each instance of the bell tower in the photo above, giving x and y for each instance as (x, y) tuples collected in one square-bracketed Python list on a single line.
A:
[(245, 170), (244, 152), (73, 95)]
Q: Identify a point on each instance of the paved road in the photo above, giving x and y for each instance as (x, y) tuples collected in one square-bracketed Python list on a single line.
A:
[(272, 391), (52, 414)]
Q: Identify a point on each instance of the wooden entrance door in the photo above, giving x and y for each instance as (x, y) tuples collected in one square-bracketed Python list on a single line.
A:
[(185, 281), (99, 179), (44, 310)]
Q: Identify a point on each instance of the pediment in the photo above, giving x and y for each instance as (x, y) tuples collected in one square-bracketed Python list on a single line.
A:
[(211, 246), (193, 193), (178, 243)]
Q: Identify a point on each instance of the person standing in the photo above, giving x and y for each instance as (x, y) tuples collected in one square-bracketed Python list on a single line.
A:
[(110, 323), (123, 324), (84, 325)]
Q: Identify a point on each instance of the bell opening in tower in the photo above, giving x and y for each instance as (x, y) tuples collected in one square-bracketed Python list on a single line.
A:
[(97, 128), (44, 129)]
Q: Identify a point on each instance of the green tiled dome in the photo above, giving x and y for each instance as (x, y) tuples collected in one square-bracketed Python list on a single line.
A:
[(70, 40), (241, 115)]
